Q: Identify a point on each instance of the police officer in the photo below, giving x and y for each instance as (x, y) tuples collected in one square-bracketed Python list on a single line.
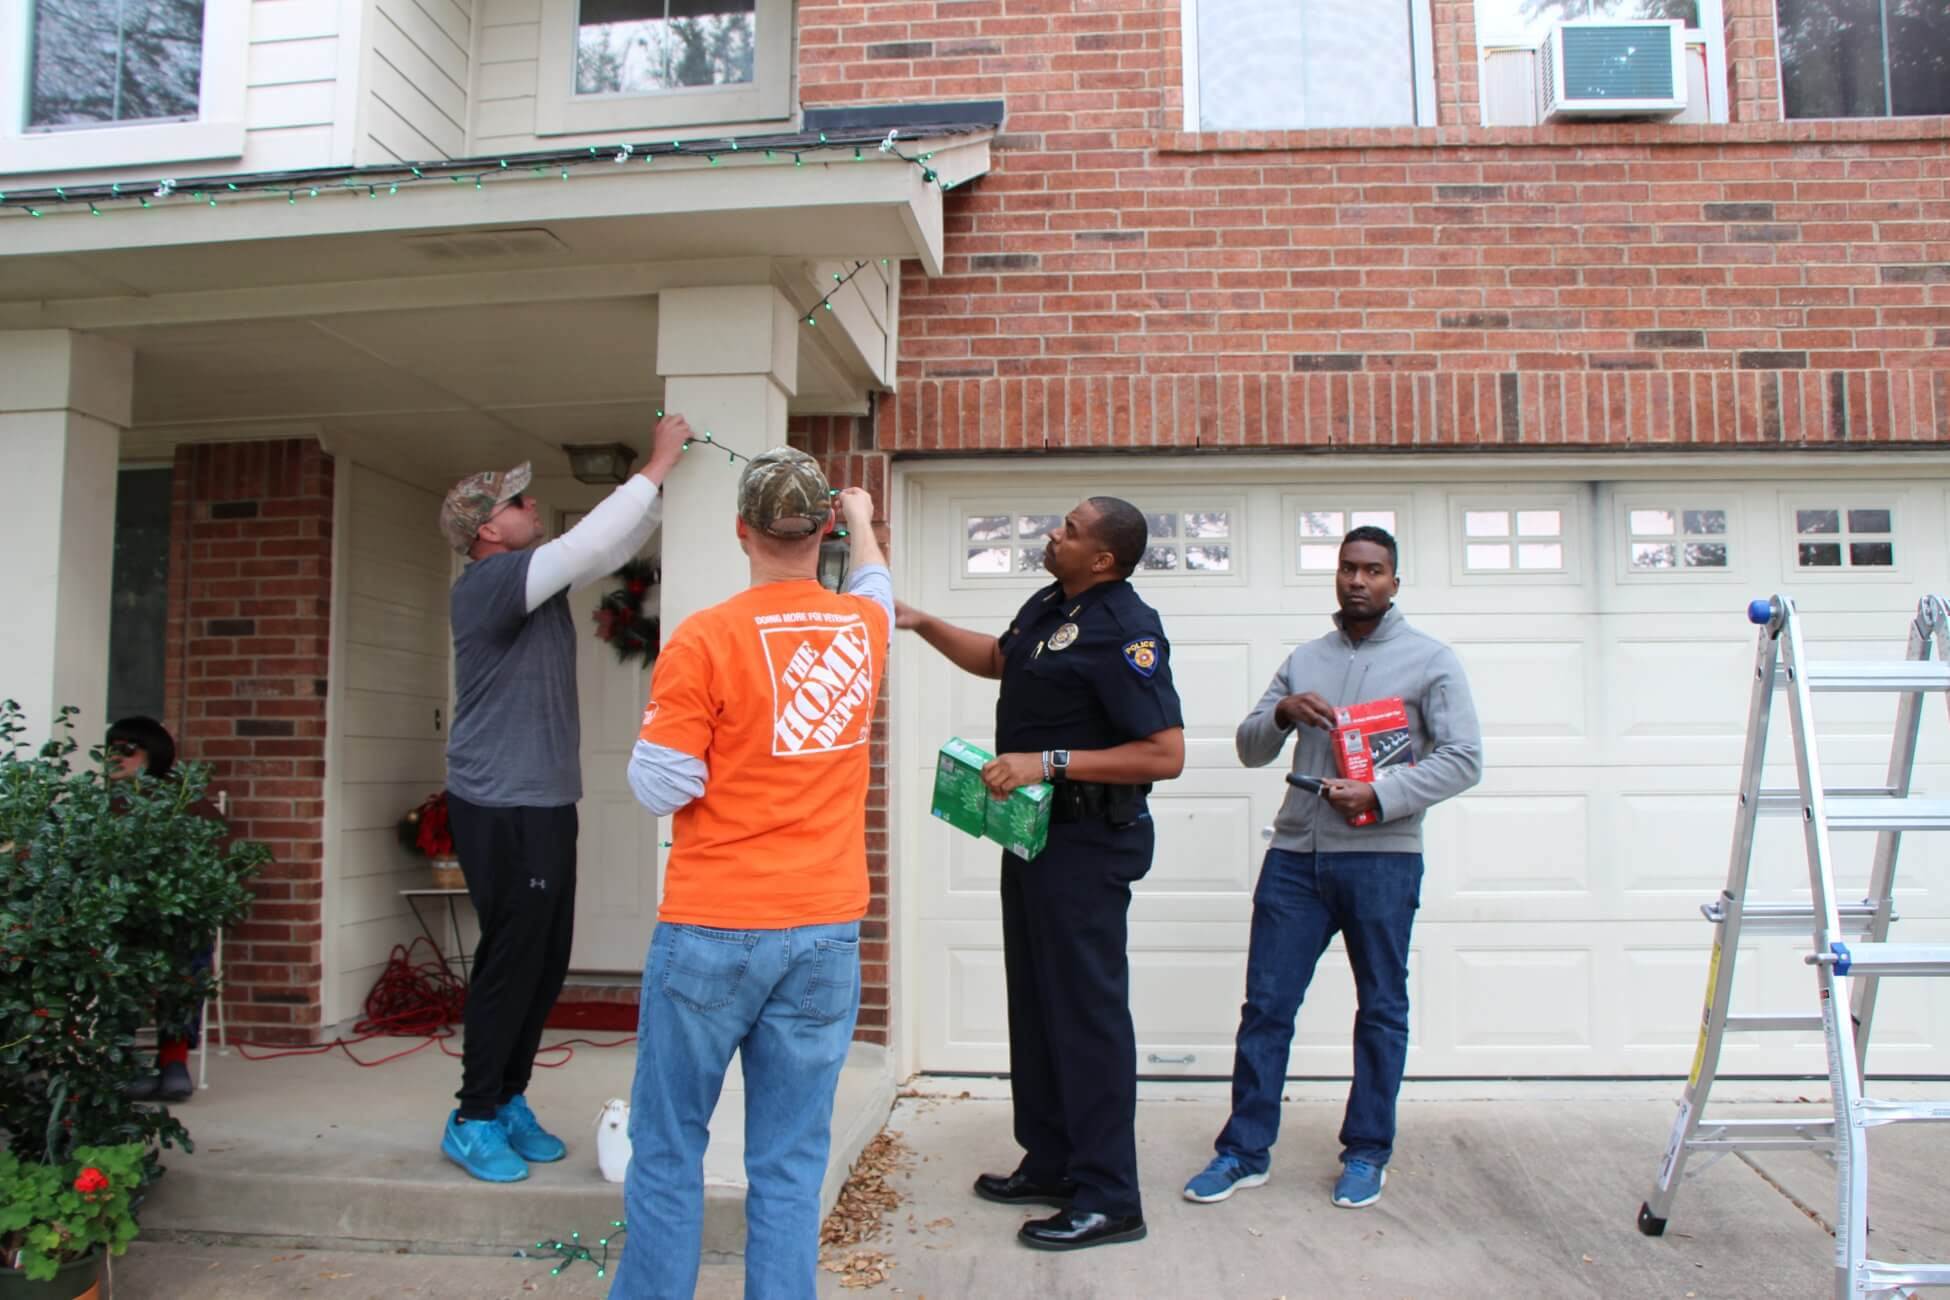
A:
[(1087, 703)]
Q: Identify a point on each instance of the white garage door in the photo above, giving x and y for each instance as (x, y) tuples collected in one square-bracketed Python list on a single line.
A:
[(1601, 625)]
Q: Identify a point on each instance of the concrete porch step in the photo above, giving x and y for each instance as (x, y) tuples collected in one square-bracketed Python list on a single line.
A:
[(315, 1152)]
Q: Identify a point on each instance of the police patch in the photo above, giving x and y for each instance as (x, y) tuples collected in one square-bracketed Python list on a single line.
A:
[(1063, 636), (1142, 656)]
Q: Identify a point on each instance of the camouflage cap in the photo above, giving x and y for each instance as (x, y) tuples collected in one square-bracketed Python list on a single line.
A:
[(474, 499), (783, 492)]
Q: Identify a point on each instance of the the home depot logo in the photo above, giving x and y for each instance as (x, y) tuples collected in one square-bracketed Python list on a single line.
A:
[(822, 684)]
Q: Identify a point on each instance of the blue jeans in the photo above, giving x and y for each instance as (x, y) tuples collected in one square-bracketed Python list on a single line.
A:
[(785, 1000), (1302, 901)]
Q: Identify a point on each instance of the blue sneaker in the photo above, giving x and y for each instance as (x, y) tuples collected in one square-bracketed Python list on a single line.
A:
[(480, 1146), (1359, 1184), (526, 1135), (1220, 1179)]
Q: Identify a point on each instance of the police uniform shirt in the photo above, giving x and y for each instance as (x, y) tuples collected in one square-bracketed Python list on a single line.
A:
[(1088, 671)]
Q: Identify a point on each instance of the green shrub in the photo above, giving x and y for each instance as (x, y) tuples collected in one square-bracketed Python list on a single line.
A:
[(108, 890)]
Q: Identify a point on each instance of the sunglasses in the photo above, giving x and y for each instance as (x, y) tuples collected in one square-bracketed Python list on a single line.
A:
[(124, 749)]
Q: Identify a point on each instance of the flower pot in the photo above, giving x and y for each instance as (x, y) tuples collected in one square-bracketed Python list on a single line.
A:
[(446, 873), (79, 1279)]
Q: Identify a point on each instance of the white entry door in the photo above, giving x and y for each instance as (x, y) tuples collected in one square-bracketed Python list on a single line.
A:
[(1601, 624), (619, 861)]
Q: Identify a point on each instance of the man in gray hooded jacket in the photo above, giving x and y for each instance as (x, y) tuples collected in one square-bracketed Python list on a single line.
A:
[(1324, 876)]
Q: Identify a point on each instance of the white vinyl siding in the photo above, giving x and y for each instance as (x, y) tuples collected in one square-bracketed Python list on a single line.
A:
[(390, 673)]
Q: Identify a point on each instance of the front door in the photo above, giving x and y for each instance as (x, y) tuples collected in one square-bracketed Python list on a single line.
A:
[(619, 858)]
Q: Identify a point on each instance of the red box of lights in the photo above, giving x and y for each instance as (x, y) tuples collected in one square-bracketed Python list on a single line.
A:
[(1368, 737)]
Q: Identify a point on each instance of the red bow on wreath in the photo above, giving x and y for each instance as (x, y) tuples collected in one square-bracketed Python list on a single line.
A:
[(620, 620)]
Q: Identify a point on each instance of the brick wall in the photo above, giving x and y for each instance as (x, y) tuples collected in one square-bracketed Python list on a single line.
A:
[(1115, 282), (249, 641)]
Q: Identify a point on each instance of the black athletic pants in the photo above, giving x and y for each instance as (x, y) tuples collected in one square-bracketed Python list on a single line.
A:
[(1072, 1047), (520, 865)]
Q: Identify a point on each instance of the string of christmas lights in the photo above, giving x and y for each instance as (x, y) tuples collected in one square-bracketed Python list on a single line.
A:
[(573, 1251), (733, 457), (386, 180)]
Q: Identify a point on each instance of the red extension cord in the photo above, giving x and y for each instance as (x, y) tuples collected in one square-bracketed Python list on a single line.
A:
[(409, 1000)]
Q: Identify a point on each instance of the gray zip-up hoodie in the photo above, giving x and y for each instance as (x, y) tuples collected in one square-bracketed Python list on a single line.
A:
[(1395, 659)]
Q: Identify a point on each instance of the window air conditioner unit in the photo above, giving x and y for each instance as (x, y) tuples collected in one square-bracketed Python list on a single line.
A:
[(1598, 68)]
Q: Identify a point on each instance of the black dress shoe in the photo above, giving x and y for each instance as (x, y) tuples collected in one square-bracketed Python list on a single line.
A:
[(1074, 1229), (175, 1084), (143, 1087), (1020, 1189)]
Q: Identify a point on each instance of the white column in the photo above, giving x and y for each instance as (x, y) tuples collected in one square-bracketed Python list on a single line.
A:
[(64, 401), (729, 357)]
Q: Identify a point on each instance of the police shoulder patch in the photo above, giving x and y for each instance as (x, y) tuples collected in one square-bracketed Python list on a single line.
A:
[(1142, 655)]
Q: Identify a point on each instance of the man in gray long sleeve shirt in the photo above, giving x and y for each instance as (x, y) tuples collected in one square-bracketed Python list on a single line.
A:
[(1324, 876), (514, 775)]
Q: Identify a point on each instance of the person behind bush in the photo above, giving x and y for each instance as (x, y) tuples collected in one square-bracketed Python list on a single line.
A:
[(140, 746)]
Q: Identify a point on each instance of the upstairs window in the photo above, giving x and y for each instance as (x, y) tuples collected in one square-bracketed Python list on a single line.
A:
[(635, 47), (1271, 65), (1864, 58), (97, 64)]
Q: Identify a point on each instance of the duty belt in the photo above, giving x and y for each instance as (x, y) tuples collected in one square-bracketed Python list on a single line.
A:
[(1075, 801)]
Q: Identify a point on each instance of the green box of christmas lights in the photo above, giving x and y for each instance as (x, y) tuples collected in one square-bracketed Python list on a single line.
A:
[(1019, 823)]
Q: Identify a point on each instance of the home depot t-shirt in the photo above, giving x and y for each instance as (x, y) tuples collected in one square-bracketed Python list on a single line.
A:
[(774, 689)]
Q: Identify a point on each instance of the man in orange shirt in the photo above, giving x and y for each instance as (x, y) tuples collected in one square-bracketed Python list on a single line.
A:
[(755, 743)]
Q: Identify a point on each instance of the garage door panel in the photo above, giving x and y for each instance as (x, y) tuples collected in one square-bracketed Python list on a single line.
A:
[(1519, 844), (1216, 688), (1208, 845)]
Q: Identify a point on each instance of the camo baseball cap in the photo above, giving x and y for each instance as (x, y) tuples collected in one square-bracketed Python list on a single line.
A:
[(474, 499), (783, 492)]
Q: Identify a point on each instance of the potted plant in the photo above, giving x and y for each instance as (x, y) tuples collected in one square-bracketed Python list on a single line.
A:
[(425, 831), (60, 1220), (110, 889)]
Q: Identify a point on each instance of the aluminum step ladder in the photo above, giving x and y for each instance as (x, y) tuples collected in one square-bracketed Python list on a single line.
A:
[(1850, 951)]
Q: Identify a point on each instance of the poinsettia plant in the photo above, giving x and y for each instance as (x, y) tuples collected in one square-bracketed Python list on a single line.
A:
[(52, 1214), (426, 831)]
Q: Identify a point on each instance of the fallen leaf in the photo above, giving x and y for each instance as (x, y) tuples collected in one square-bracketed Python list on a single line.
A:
[(1589, 1260), (1256, 1232), (333, 1277)]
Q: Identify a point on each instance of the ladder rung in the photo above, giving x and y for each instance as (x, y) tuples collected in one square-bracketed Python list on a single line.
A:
[(1767, 1024), (1875, 675), (1761, 1144), (1882, 1277), (1874, 1111), (1788, 800), (1885, 958), (1790, 918), (1764, 1128), (1889, 814)]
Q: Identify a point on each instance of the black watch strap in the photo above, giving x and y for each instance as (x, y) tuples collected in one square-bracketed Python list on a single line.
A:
[(1059, 764)]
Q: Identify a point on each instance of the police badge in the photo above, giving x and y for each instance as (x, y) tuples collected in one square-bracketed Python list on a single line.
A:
[(1142, 656), (1063, 636)]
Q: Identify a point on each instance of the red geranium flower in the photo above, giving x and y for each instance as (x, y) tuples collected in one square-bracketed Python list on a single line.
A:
[(92, 1180)]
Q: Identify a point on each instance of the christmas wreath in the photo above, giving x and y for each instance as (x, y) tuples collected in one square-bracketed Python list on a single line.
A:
[(620, 619), (425, 830)]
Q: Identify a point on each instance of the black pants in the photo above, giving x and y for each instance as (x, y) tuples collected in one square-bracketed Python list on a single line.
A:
[(1072, 1048), (520, 865)]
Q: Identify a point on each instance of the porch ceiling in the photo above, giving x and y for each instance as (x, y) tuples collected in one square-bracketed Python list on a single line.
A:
[(435, 331)]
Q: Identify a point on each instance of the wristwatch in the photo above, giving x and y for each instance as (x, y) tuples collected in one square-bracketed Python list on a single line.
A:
[(1059, 764)]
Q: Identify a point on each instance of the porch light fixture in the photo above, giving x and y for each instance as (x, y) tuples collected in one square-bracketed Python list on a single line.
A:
[(835, 552), (599, 463)]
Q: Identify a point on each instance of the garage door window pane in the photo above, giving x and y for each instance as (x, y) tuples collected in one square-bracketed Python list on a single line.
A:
[(1029, 560), (1487, 523), (1540, 555), (1038, 526), (1851, 537), (1488, 557), (1538, 523), (1320, 557), (1209, 559), (1161, 557), (1671, 540), (1208, 523), (987, 559), (1321, 523), (1373, 519)]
